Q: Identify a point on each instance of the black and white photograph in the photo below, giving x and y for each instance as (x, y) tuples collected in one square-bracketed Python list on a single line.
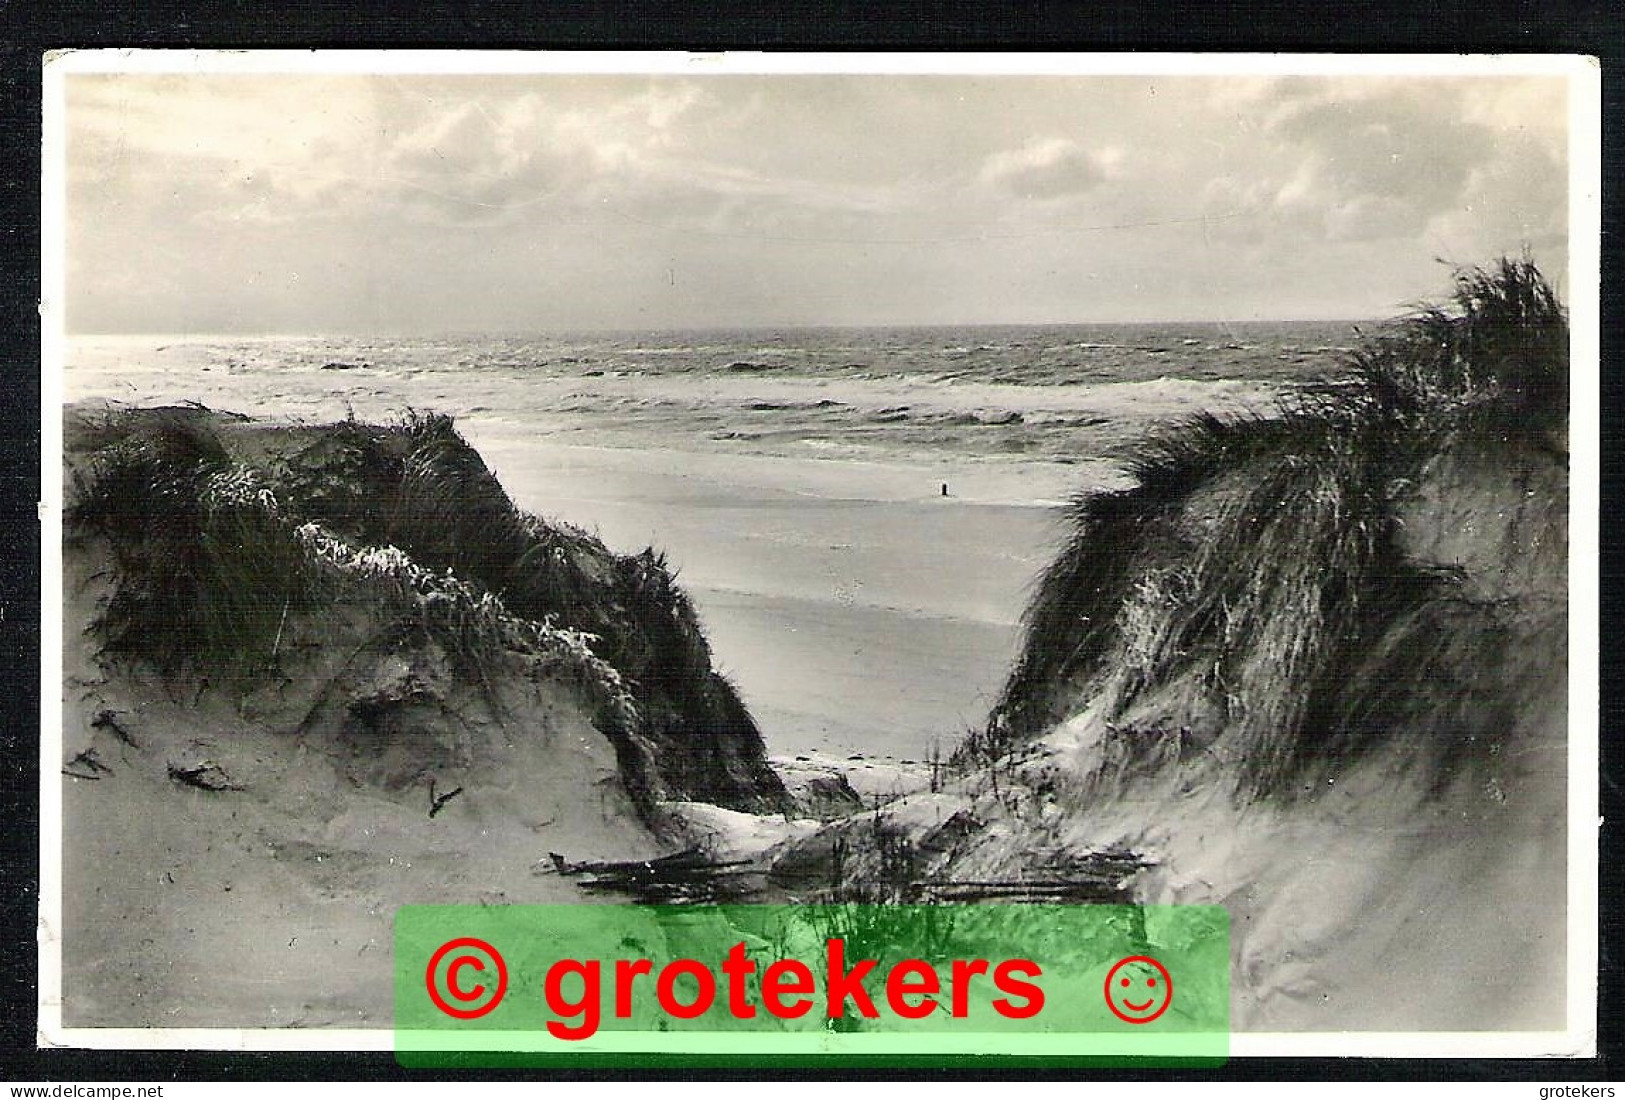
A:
[(599, 478)]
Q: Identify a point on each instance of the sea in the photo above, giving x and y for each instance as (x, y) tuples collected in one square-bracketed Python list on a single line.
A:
[(859, 513), (1048, 392)]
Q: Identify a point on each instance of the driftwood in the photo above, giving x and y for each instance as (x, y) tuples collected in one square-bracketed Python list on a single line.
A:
[(1096, 877), (108, 720), (438, 802), (92, 766), (1066, 892), (689, 877)]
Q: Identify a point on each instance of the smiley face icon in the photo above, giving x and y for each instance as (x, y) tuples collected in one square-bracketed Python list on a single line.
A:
[(1139, 989)]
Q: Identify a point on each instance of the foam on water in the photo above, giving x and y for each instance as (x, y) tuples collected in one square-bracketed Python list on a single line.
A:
[(1051, 394)]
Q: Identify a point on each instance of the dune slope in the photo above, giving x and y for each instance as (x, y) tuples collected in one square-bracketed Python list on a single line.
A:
[(1312, 668), (315, 673)]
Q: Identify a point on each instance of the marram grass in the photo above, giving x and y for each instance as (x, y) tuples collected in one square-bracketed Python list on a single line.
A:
[(1218, 605), (213, 558)]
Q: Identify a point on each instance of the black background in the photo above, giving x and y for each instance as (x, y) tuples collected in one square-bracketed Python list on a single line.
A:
[(1388, 26)]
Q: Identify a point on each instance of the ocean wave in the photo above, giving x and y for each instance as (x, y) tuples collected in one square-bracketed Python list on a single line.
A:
[(1051, 392)]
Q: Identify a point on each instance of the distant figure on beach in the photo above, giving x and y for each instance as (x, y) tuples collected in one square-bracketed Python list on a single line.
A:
[(944, 488)]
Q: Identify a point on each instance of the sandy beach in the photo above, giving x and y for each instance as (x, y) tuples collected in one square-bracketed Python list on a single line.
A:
[(857, 609)]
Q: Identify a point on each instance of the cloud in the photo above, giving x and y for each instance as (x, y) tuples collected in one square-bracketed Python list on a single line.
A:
[(649, 156), (1381, 167), (1519, 199), (447, 152), (478, 163), (1386, 159), (1055, 168), (524, 200)]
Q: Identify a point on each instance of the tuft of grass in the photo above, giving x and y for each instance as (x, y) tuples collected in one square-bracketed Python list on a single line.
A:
[(474, 625), (208, 568), (875, 902), (1500, 342), (1217, 604), (449, 512)]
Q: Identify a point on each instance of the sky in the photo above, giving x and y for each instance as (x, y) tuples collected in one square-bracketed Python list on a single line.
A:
[(350, 203)]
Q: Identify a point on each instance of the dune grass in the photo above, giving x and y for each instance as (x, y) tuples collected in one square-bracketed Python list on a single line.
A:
[(1501, 342), (214, 555), (208, 567), (1219, 603), (212, 565)]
